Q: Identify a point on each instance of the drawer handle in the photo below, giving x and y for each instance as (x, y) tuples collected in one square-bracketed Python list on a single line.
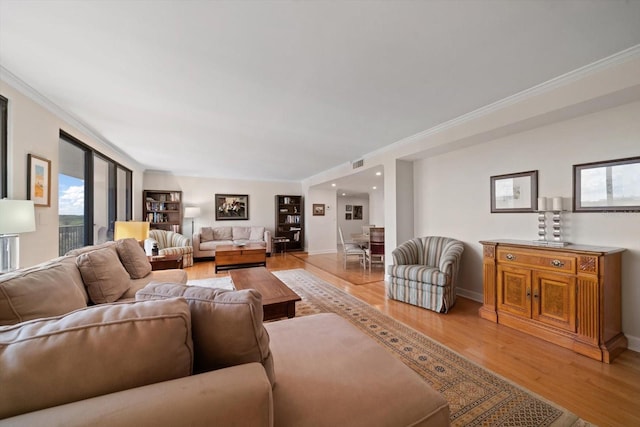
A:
[(510, 257), (557, 263)]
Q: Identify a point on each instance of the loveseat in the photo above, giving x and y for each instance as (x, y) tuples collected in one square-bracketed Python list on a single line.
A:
[(205, 241), (187, 355)]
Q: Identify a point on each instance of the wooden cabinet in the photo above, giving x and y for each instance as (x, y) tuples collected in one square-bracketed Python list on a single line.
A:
[(163, 209), (290, 221), (566, 295)]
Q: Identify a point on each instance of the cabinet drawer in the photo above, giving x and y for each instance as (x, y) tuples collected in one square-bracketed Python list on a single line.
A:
[(547, 261)]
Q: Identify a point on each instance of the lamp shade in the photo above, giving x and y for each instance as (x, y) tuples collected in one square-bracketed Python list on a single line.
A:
[(17, 216), (191, 212), (138, 230)]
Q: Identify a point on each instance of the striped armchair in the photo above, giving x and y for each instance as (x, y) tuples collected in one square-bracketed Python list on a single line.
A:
[(424, 272), (171, 243)]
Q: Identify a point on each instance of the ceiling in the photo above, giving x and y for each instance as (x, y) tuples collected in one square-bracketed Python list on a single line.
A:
[(283, 90)]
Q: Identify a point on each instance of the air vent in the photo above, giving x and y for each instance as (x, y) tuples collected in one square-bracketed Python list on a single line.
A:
[(358, 163)]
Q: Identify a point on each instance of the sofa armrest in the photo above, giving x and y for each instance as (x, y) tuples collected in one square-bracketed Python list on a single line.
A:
[(196, 241), (267, 239), (237, 395)]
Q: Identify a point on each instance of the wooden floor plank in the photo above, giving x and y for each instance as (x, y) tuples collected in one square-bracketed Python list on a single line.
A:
[(606, 395)]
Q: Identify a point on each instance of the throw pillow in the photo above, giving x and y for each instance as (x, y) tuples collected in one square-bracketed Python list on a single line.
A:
[(206, 234), (44, 290), (92, 352), (133, 258), (222, 233), (227, 325), (257, 233), (85, 249), (241, 233), (103, 275)]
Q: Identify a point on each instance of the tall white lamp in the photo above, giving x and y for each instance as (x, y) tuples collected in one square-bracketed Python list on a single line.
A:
[(16, 216), (192, 212)]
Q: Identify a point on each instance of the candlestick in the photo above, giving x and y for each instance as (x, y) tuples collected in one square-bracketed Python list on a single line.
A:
[(542, 204)]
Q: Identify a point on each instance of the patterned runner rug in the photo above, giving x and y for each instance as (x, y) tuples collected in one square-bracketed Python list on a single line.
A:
[(476, 396)]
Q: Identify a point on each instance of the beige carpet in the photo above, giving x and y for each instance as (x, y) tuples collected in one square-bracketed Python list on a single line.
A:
[(476, 396)]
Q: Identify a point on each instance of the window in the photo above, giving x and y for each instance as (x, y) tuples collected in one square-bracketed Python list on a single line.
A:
[(93, 192), (4, 104)]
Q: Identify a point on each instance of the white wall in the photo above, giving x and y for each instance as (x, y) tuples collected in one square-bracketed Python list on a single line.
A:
[(318, 239), (34, 129), (376, 207), (452, 194), (201, 192), (352, 226)]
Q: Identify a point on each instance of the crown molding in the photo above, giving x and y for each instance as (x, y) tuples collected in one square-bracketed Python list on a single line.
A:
[(52, 107), (557, 82)]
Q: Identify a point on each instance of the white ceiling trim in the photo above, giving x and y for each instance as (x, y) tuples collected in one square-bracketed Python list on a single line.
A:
[(619, 58)]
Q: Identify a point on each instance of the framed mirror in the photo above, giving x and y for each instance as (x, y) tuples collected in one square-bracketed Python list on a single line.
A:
[(609, 186)]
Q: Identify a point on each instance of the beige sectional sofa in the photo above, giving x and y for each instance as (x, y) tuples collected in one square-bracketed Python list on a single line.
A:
[(185, 355), (205, 241)]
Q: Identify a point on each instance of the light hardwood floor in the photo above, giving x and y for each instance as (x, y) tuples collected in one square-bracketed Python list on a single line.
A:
[(606, 395)]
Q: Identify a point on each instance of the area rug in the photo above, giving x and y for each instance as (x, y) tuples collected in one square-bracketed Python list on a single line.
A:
[(476, 396)]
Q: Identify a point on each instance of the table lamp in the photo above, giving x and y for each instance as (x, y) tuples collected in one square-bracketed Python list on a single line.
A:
[(192, 212), (16, 216), (138, 230)]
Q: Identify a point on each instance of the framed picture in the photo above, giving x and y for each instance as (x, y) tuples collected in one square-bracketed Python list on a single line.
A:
[(347, 216), (348, 208), (318, 209), (232, 207), (608, 186), (357, 212), (515, 192), (39, 180)]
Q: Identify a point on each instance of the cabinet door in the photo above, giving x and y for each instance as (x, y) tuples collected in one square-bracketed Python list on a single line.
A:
[(554, 300), (514, 290)]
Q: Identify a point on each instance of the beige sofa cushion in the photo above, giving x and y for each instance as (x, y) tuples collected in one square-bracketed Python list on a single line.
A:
[(227, 325), (206, 234), (241, 233), (257, 233), (222, 233), (85, 249), (133, 258), (45, 290), (91, 352), (332, 373), (103, 274)]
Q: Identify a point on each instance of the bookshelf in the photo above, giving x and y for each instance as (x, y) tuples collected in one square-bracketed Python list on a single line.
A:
[(163, 209), (290, 221)]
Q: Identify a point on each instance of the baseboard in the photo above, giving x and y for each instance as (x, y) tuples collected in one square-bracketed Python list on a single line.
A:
[(475, 296), (634, 343), (329, 251)]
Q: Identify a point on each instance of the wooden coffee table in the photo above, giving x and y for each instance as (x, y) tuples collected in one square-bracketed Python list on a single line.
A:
[(232, 256), (277, 299), (165, 262)]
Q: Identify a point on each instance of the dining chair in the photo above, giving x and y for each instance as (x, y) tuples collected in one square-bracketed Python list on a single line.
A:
[(376, 245), (352, 249)]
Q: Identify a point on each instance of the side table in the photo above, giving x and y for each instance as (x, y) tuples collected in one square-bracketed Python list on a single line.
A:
[(282, 241), (165, 262)]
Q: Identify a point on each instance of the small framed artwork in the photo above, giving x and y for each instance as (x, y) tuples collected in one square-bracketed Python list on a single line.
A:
[(232, 207), (39, 180), (515, 192), (347, 216), (357, 212), (348, 208), (608, 186), (318, 209)]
